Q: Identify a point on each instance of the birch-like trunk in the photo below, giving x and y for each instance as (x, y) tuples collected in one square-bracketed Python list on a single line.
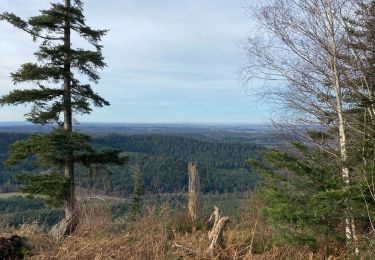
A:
[(345, 173)]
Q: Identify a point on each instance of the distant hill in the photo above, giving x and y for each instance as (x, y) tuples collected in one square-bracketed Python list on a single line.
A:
[(258, 134), (163, 161)]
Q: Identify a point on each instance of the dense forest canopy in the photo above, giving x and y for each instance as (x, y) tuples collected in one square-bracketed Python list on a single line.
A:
[(163, 161)]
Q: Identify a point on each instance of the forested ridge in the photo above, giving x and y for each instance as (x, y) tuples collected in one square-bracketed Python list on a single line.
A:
[(162, 160), (227, 155), (7, 180)]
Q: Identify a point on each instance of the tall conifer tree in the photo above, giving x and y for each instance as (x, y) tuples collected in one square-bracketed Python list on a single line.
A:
[(57, 96)]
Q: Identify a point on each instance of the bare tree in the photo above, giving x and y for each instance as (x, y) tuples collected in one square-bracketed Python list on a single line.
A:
[(300, 45)]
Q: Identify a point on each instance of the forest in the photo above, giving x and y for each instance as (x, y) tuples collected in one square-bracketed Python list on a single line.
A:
[(163, 162)]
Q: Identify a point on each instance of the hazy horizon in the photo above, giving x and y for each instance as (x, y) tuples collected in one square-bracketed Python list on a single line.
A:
[(141, 123)]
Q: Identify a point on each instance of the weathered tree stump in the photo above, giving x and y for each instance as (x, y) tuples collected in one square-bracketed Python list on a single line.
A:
[(193, 192), (215, 236), (65, 227)]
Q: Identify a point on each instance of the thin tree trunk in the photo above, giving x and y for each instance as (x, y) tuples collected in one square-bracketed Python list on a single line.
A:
[(69, 165), (67, 76), (349, 220), (70, 221)]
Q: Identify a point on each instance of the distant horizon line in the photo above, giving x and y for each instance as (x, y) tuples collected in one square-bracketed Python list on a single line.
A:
[(139, 123)]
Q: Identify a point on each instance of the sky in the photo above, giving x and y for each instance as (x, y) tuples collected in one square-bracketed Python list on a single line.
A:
[(169, 61)]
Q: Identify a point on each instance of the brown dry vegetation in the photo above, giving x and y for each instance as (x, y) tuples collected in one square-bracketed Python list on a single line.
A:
[(158, 235)]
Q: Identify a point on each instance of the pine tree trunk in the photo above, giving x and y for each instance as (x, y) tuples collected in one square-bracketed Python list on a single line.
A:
[(70, 221), (69, 165)]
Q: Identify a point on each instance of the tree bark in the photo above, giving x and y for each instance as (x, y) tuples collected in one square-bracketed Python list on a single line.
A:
[(215, 236), (68, 126), (193, 192), (345, 173)]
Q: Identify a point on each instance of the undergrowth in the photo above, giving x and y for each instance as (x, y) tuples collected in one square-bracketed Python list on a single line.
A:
[(160, 233)]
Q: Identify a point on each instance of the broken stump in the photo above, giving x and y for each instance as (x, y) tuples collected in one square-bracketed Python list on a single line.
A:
[(193, 192), (215, 236), (65, 227)]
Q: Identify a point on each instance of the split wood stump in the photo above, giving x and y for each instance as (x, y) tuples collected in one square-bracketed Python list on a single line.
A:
[(65, 227), (215, 236)]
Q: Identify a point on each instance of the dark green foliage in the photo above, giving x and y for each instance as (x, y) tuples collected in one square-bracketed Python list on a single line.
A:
[(17, 210), (57, 96), (48, 99), (7, 182), (304, 195), (51, 150), (48, 151), (168, 157), (105, 156), (41, 185), (163, 164), (217, 154), (19, 203)]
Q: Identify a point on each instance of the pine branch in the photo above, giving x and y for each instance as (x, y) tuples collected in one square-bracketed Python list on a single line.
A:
[(35, 72), (50, 149), (18, 96), (41, 185), (46, 113), (87, 92), (17, 22)]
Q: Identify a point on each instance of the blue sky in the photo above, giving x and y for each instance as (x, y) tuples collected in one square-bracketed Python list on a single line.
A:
[(168, 60)]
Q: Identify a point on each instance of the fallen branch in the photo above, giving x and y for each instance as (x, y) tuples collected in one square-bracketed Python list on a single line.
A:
[(215, 236)]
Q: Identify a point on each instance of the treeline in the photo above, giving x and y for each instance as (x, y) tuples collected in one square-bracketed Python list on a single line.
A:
[(17, 210), (227, 155), (8, 183), (162, 160)]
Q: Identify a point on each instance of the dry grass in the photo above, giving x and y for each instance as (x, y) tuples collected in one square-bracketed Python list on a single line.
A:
[(38, 237), (93, 216), (153, 237), (98, 238)]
